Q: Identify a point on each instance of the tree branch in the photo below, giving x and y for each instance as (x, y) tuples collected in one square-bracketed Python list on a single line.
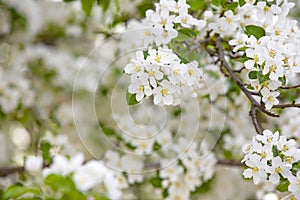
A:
[(290, 105), (289, 87), (253, 115), (233, 163), (238, 82), (239, 70), (10, 170)]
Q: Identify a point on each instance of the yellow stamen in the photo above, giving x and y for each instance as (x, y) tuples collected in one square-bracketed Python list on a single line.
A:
[(164, 92), (278, 170), (157, 58), (141, 88), (272, 53), (255, 170), (255, 58), (137, 67), (184, 20), (271, 99), (163, 22), (151, 73), (165, 34), (228, 20), (273, 68), (277, 32)]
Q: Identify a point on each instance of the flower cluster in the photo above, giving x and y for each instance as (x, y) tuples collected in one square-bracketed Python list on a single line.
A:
[(85, 175), (162, 74), (182, 176), (15, 88), (159, 25), (272, 157), (270, 57), (129, 164)]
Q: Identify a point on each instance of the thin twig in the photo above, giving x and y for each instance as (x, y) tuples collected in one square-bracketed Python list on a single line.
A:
[(253, 115), (289, 87), (233, 163), (238, 81), (239, 70), (10, 170), (290, 105)]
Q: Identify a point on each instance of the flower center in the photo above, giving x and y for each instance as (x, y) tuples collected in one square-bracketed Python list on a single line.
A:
[(272, 53), (278, 170), (256, 58), (141, 88), (273, 68), (137, 67), (157, 58), (151, 73), (255, 170), (271, 99), (164, 92), (163, 22)]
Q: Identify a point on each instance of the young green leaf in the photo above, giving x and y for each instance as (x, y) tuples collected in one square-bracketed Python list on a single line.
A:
[(17, 190), (283, 186), (252, 75), (60, 183), (87, 6), (242, 2), (256, 31), (45, 147), (131, 99), (104, 4), (156, 182)]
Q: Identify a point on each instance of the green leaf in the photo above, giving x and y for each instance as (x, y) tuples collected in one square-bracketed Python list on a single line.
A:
[(191, 33), (156, 147), (183, 59), (87, 6), (97, 197), (181, 38), (177, 112), (165, 193), (143, 7), (74, 194), (145, 54), (45, 147), (18, 190), (231, 5), (223, 2), (104, 4), (228, 154), (242, 2), (252, 75), (283, 186), (262, 78), (197, 5), (275, 151), (156, 182), (256, 31), (216, 2), (242, 59), (106, 130), (60, 183), (205, 187), (243, 48), (131, 99), (283, 80)]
